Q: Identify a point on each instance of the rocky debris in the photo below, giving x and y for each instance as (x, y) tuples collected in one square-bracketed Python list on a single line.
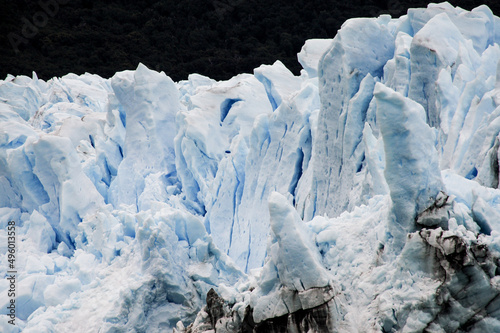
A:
[(215, 306), (438, 214), (469, 292), (217, 317), (317, 319)]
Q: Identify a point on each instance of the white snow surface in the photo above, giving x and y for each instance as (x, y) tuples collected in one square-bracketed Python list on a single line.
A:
[(134, 196)]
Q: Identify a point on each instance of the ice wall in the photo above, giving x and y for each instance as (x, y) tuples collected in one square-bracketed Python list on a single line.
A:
[(350, 197)]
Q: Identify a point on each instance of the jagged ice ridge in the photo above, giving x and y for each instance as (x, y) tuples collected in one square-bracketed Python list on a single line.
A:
[(360, 196)]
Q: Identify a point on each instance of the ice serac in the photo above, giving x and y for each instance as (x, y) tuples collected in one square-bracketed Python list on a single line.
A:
[(411, 160), (279, 82), (212, 155), (311, 53), (279, 154), (213, 128), (71, 194), (257, 150), (428, 57), (474, 125), (293, 278), (478, 26), (295, 255), (358, 54), (150, 101), (293, 292), (397, 71), (24, 95)]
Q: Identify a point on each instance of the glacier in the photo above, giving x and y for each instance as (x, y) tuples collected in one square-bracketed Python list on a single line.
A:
[(362, 195)]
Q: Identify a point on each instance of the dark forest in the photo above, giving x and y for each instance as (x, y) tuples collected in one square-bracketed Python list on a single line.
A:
[(217, 38)]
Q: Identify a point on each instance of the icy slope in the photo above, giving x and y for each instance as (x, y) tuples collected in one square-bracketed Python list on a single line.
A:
[(361, 196)]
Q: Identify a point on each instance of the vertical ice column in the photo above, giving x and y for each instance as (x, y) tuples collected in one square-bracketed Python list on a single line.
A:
[(72, 195), (293, 277), (412, 166), (150, 101), (360, 50), (434, 47)]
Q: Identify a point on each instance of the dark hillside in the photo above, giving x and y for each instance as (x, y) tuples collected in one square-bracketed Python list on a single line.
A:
[(217, 38)]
